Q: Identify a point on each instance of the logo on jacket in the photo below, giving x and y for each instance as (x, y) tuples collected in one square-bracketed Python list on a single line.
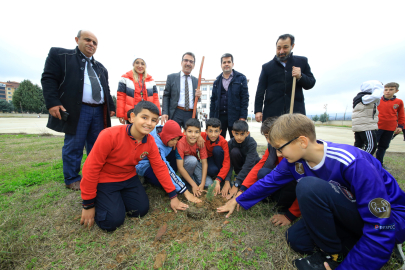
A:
[(395, 106), (390, 227), (144, 154), (299, 168), (380, 208)]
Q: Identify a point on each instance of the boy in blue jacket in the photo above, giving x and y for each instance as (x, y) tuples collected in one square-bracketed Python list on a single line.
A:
[(350, 205), (166, 138)]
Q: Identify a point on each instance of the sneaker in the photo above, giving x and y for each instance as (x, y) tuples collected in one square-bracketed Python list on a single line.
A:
[(385, 167), (398, 254), (316, 260)]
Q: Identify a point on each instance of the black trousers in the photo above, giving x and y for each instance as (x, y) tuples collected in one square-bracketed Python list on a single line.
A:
[(366, 140), (181, 116), (225, 125), (330, 219), (384, 139)]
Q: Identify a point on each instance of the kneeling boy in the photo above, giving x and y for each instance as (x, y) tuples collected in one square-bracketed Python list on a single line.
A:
[(110, 187), (347, 200), (166, 138), (218, 153), (188, 157), (243, 155)]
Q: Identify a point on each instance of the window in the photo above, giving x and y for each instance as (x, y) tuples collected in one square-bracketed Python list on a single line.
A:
[(211, 87), (9, 88), (162, 88), (204, 88), (9, 93), (160, 97), (204, 97), (204, 105), (9, 97)]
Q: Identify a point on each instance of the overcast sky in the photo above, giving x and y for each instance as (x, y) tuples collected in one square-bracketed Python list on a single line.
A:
[(346, 42)]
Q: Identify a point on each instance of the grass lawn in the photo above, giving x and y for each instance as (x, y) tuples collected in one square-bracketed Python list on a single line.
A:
[(39, 223)]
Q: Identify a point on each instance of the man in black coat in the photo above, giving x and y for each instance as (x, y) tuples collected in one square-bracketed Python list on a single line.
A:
[(230, 96), (276, 78), (74, 83)]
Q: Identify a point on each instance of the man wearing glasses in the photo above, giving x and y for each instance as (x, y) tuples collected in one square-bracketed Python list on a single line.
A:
[(180, 92)]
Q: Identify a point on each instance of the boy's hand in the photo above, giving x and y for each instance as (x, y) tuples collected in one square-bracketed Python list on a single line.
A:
[(232, 193), (397, 130), (200, 142), (88, 217), (175, 204), (201, 187), (280, 220), (229, 207), (196, 190), (190, 197), (327, 266), (217, 189), (225, 189)]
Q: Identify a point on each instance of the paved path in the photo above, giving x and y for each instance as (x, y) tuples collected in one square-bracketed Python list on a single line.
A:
[(334, 134)]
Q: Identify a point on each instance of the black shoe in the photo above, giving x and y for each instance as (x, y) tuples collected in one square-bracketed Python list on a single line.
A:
[(385, 167), (316, 261)]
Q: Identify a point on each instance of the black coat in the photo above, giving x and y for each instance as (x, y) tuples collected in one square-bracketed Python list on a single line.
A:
[(275, 86), (62, 84), (238, 98)]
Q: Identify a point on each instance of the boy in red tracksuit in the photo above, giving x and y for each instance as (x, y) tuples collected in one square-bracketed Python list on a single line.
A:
[(218, 159), (110, 186), (286, 199), (391, 119)]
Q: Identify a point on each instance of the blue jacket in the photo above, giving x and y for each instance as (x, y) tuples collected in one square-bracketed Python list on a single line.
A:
[(380, 200), (164, 150), (238, 98)]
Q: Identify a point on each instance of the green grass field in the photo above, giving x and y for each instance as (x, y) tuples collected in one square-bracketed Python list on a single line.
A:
[(39, 223)]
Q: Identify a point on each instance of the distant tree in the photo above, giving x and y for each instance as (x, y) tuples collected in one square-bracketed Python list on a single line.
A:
[(5, 106), (115, 101), (29, 97), (315, 118), (324, 117)]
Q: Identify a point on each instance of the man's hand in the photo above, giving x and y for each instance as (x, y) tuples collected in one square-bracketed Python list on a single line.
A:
[(229, 207), (165, 117), (225, 189), (112, 113), (198, 93), (122, 120), (196, 190), (200, 142), (54, 111), (280, 220), (296, 72), (258, 116), (88, 217), (232, 192), (217, 188), (243, 119), (175, 204), (397, 130)]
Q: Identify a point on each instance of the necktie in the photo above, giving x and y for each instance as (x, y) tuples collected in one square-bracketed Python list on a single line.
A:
[(95, 86), (186, 94)]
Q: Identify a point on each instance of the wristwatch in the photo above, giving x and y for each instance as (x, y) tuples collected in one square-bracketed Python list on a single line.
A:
[(236, 185)]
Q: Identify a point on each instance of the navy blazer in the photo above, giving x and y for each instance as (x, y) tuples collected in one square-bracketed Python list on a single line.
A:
[(275, 87), (238, 98), (62, 84)]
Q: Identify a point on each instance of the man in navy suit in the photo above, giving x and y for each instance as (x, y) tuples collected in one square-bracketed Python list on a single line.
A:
[(74, 82), (180, 92), (276, 78)]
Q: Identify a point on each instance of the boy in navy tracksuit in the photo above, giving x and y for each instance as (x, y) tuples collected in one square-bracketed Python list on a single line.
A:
[(347, 200)]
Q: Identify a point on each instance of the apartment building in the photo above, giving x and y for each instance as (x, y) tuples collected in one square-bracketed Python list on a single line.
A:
[(7, 90)]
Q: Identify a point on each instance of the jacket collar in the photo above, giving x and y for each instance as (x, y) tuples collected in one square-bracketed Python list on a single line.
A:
[(81, 55), (386, 99), (144, 140)]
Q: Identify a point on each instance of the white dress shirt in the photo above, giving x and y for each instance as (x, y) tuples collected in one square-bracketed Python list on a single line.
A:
[(87, 91), (182, 90)]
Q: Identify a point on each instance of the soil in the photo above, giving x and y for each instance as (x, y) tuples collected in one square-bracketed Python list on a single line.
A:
[(206, 209)]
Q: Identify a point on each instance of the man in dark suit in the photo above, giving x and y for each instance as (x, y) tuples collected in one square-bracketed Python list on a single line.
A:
[(180, 92), (276, 78), (74, 83), (230, 96)]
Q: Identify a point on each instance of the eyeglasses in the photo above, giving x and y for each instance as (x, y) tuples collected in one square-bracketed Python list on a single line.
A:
[(190, 61), (284, 145)]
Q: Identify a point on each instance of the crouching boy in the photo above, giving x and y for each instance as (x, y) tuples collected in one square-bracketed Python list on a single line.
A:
[(347, 200), (166, 138), (110, 187), (218, 153), (188, 157)]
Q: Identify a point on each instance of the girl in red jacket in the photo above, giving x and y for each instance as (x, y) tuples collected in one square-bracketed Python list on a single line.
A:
[(135, 85)]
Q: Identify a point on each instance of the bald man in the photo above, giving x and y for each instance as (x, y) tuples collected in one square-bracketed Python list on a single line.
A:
[(77, 95)]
